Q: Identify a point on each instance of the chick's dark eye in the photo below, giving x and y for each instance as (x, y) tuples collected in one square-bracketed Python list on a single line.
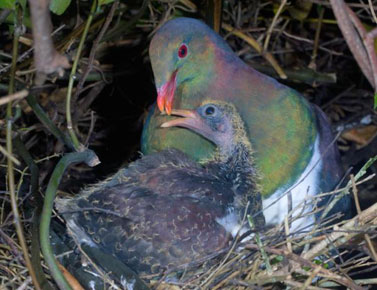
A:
[(182, 51), (209, 111)]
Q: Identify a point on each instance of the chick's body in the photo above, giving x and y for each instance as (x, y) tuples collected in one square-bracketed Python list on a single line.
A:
[(166, 210)]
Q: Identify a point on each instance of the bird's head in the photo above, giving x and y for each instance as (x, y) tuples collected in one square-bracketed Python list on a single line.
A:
[(183, 51), (217, 121)]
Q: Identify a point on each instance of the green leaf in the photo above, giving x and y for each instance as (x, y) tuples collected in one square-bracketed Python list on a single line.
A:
[(103, 2), (23, 4), (375, 101), (59, 6), (363, 169), (7, 4)]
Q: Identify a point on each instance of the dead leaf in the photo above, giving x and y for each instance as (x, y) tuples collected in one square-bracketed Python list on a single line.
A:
[(361, 136)]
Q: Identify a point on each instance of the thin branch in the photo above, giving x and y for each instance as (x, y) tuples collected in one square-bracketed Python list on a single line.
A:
[(251, 41), (307, 263), (357, 203), (372, 10), (9, 156), (274, 20), (366, 216), (47, 59), (9, 147), (72, 77), (13, 97), (316, 38), (93, 51)]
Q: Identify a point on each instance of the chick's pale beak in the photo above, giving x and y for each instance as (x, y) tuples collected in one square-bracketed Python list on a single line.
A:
[(190, 120), (165, 94)]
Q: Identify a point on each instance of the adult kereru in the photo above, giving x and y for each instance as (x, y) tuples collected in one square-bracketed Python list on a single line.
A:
[(292, 138)]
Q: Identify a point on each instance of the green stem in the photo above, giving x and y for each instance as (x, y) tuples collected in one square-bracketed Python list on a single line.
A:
[(72, 77), (86, 156), (260, 245), (35, 245), (11, 183)]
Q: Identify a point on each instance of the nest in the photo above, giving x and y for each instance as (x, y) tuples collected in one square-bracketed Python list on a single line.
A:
[(326, 254)]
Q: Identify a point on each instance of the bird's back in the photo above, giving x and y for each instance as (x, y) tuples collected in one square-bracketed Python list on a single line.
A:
[(162, 213)]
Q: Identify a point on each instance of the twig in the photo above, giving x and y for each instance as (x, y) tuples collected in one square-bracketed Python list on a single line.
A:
[(356, 5), (224, 281), (312, 63), (345, 191), (260, 245), (93, 51), (91, 128), (366, 281), (372, 10), (11, 181), (70, 278), (251, 41), (269, 31), (47, 59), (366, 236), (286, 229), (10, 156), (367, 216), (25, 55), (12, 97), (310, 278), (72, 77), (207, 281), (307, 263), (297, 285), (124, 28)]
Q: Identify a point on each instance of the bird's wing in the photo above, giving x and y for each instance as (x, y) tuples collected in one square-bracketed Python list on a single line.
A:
[(147, 231), (170, 172)]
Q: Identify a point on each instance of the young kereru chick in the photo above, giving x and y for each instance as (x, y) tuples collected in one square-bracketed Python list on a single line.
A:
[(292, 139), (165, 209)]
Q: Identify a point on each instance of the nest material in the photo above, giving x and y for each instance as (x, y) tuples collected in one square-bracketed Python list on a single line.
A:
[(328, 255)]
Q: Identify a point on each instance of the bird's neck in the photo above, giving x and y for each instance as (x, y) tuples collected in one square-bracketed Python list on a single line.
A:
[(236, 164)]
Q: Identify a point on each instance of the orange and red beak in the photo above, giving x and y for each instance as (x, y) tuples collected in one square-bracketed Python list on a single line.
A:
[(165, 94)]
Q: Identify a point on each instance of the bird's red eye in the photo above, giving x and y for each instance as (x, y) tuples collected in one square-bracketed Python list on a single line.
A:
[(182, 51)]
